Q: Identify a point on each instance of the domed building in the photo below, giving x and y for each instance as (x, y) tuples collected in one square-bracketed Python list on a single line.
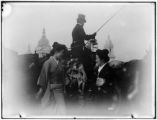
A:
[(43, 46), (110, 47), (29, 49)]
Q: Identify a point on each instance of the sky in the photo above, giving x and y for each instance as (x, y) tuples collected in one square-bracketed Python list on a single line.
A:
[(131, 30)]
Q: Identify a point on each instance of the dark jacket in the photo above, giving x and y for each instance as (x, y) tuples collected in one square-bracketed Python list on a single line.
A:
[(108, 87), (89, 63), (79, 35), (105, 74)]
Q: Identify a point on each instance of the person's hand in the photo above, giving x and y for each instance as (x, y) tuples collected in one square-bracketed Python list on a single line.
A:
[(94, 34), (100, 81)]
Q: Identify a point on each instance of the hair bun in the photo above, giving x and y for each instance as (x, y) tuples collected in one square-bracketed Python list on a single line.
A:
[(55, 44), (105, 51), (57, 47), (103, 54)]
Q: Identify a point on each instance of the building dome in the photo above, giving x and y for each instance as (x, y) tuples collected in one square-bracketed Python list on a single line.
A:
[(43, 46)]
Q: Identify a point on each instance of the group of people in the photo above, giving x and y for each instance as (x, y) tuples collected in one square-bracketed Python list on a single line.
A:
[(54, 81)]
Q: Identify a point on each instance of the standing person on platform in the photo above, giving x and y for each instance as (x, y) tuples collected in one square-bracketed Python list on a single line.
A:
[(79, 35)]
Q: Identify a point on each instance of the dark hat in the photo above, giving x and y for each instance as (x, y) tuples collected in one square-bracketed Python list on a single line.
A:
[(81, 17), (103, 54)]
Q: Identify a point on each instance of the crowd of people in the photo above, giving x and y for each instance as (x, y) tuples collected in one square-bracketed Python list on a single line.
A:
[(69, 75), (66, 77), (63, 78)]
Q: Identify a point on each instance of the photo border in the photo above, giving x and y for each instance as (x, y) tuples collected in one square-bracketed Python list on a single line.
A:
[(3, 2)]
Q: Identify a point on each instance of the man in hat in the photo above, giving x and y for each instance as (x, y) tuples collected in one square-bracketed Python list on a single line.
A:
[(79, 35)]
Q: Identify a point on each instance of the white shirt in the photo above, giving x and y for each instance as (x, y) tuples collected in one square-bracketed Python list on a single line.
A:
[(101, 67)]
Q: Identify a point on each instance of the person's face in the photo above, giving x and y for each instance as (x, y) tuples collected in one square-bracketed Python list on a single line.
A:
[(82, 22), (59, 54), (63, 62), (99, 62), (89, 45)]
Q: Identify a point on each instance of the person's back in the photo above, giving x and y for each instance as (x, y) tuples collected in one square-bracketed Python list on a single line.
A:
[(78, 34)]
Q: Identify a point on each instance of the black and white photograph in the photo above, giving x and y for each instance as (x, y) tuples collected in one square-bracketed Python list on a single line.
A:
[(78, 59)]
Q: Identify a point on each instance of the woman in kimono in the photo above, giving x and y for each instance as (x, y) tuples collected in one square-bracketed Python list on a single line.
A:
[(51, 82)]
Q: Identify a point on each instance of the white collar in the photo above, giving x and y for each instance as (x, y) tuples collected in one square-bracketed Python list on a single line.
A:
[(101, 67), (55, 60)]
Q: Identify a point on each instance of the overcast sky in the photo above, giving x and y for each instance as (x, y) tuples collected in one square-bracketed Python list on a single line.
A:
[(131, 30)]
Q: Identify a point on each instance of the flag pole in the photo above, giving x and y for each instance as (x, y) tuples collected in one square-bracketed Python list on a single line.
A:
[(108, 20)]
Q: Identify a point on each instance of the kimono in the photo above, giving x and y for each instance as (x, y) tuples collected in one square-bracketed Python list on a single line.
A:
[(51, 80)]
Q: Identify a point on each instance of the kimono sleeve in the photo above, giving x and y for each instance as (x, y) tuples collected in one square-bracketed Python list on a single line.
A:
[(43, 77)]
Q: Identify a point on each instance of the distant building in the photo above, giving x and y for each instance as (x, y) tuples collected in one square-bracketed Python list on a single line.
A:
[(29, 49), (109, 46), (43, 46)]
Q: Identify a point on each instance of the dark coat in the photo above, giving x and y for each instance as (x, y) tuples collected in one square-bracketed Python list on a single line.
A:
[(107, 90), (79, 35), (105, 73), (88, 63)]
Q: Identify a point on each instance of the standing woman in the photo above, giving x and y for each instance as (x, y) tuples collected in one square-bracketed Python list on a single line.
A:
[(104, 81), (51, 82)]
